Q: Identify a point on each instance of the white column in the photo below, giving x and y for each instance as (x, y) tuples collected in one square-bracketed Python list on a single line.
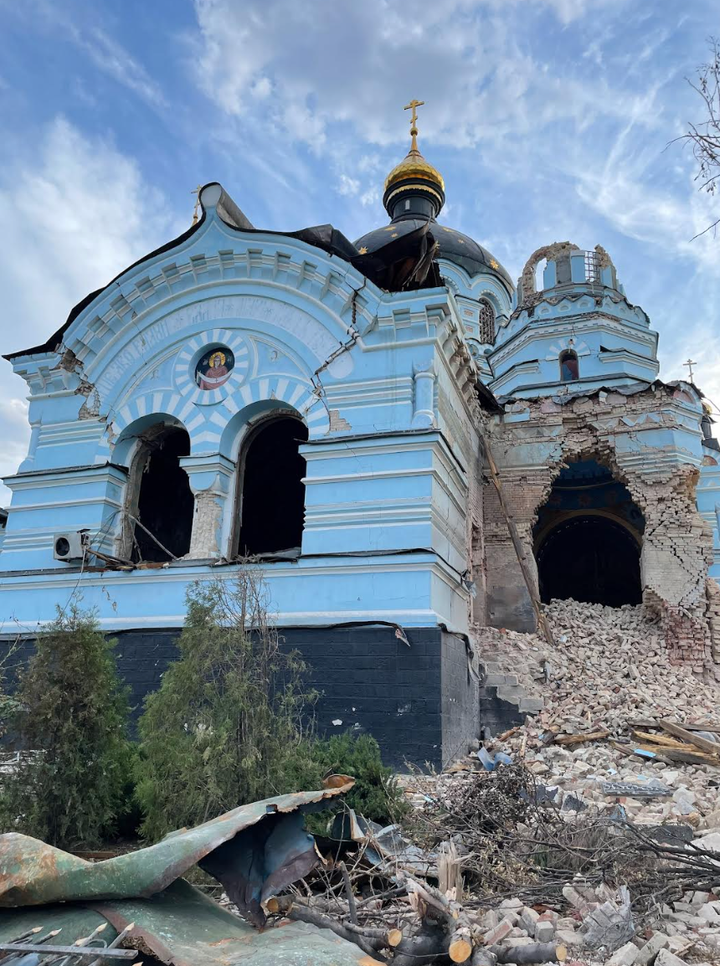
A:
[(211, 480)]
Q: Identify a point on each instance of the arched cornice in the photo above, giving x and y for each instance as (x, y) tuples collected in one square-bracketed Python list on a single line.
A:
[(221, 259)]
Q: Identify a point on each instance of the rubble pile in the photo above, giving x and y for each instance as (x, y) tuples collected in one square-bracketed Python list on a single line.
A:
[(616, 858), (607, 671), (607, 664)]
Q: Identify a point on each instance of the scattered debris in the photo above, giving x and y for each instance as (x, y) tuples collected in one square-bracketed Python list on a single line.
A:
[(589, 834)]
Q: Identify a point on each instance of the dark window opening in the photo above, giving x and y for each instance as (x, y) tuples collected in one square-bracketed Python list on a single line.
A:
[(588, 538), (591, 559), (487, 321), (569, 366), (272, 504), (165, 503)]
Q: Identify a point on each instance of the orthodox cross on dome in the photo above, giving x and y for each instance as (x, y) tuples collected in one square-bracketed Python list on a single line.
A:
[(196, 192), (690, 363), (412, 106)]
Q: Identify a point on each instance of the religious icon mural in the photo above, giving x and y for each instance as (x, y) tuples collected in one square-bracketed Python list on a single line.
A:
[(214, 368)]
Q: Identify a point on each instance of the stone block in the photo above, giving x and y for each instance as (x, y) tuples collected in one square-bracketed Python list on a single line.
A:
[(625, 956), (500, 932), (709, 913), (651, 948), (666, 958), (545, 932), (528, 920)]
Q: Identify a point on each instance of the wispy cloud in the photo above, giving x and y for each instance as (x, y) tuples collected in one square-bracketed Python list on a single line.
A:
[(78, 212), (88, 36), (112, 58)]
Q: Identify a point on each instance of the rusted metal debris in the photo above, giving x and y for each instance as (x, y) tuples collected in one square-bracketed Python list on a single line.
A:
[(255, 851)]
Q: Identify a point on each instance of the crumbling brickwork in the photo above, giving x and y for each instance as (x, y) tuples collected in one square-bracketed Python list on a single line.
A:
[(638, 437)]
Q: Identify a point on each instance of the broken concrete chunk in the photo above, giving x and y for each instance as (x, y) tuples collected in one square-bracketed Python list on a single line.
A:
[(651, 948), (666, 958), (611, 924), (711, 842), (528, 920), (544, 932), (625, 956), (500, 932)]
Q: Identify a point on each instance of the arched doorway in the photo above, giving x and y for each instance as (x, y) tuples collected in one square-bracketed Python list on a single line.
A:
[(165, 503), (588, 538), (272, 500)]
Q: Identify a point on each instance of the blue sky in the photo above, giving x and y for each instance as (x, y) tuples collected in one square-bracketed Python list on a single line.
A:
[(551, 120)]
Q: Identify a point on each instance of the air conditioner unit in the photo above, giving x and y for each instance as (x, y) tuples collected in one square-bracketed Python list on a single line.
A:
[(69, 546)]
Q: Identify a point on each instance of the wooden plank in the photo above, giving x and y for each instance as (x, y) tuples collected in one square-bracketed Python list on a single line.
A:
[(662, 741), (710, 747), (685, 757), (654, 723), (92, 952), (632, 751)]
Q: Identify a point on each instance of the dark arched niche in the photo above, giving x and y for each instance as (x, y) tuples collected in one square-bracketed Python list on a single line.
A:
[(272, 499), (588, 538), (164, 500)]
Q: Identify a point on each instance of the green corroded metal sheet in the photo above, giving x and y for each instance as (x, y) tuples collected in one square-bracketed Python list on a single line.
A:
[(184, 927), (255, 850), (74, 922)]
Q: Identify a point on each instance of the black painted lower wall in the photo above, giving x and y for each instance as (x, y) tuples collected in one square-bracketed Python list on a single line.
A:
[(420, 701)]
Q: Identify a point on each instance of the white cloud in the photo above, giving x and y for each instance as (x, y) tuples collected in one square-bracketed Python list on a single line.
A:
[(348, 185), (75, 212), (340, 62)]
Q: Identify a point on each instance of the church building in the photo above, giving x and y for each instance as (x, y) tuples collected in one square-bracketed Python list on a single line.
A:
[(407, 445)]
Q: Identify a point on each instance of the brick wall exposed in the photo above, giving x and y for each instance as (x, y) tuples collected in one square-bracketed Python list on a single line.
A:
[(621, 432)]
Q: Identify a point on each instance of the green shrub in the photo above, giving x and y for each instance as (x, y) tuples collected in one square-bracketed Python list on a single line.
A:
[(225, 727), (376, 795), (71, 716)]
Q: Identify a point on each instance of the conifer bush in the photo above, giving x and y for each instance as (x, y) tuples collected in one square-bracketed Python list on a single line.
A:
[(226, 726), (70, 717), (376, 795), (229, 724)]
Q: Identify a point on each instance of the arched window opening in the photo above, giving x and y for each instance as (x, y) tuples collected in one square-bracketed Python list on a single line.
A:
[(588, 539), (569, 366), (272, 502), (487, 321), (165, 504)]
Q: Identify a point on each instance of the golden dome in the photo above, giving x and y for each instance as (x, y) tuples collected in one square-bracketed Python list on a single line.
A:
[(414, 165)]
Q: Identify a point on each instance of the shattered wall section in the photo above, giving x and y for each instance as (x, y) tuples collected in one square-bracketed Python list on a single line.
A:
[(647, 439)]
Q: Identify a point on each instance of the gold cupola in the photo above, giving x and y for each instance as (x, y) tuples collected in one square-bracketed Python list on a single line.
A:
[(413, 177)]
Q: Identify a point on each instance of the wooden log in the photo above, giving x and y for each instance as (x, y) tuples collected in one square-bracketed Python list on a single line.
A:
[(532, 953), (684, 757), (449, 870), (663, 740), (460, 949), (709, 747), (483, 957), (428, 943), (368, 944)]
